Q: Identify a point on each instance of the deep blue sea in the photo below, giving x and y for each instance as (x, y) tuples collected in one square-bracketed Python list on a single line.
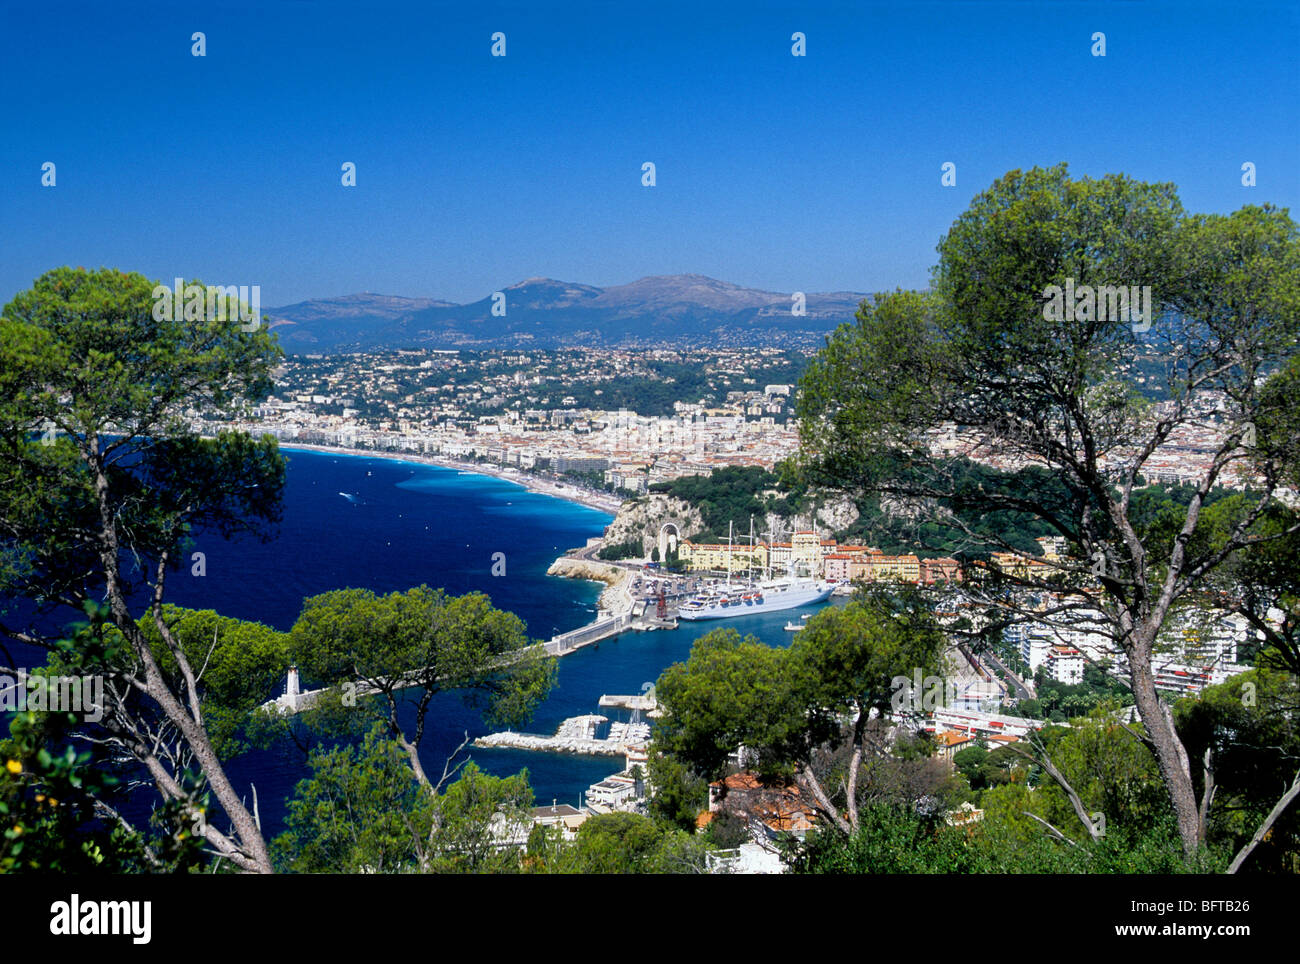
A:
[(385, 525)]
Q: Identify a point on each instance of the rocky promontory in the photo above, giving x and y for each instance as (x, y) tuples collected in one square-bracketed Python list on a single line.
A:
[(640, 520), (613, 599)]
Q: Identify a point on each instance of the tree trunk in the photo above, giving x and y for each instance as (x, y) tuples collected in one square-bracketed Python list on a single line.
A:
[(248, 833), (1264, 828), (1171, 756)]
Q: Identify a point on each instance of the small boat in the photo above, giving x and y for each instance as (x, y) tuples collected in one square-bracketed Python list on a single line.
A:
[(795, 627)]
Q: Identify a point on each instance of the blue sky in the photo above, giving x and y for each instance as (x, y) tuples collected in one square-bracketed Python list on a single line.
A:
[(817, 173)]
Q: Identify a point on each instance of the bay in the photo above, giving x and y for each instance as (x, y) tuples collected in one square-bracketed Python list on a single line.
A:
[(387, 525)]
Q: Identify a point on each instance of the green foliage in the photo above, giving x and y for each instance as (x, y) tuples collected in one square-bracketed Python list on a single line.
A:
[(895, 840), (970, 529), (977, 351), (241, 664), (362, 811), (786, 705), (970, 764), (103, 502), (726, 830), (1277, 422), (1076, 699), (629, 843), (47, 791), (680, 794), (82, 350), (52, 780), (730, 691), (473, 818), (890, 840), (1260, 581), (730, 494), (372, 807), (848, 657), (1249, 725), (981, 352), (632, 549), (735, 493), (427, 640), (1112, 772)]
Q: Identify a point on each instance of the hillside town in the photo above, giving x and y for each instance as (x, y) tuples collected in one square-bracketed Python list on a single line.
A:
[(681, 412)]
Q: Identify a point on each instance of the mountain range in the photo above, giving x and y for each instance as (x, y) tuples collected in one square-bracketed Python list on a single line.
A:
[(686, 309)]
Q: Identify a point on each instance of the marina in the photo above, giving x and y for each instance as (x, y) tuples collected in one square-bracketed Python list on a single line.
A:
[(593, 679), (577, 734), (645, 703), (770, 594)]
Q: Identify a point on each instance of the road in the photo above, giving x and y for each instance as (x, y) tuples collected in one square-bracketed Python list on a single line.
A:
[(1022, 691)]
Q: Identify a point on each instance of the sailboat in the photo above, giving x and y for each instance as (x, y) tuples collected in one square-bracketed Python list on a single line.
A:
[(771, 594)]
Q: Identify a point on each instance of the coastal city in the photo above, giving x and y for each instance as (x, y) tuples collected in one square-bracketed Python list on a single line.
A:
[(522, 411), (574, 440), (472, 413)]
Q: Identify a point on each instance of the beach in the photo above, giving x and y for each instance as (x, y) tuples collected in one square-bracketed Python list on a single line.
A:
[(602, 501)]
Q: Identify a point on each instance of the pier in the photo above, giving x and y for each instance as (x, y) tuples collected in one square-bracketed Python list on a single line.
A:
[(294, 700), (575, 735), (645, 703), (603, 628)]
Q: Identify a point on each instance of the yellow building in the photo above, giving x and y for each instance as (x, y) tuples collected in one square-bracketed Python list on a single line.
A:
[(806, 551), (1020, 566), (878, 567), (719, 557)]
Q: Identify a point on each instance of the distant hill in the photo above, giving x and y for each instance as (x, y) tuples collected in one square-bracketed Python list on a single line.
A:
[(545, 313), (337, 324)]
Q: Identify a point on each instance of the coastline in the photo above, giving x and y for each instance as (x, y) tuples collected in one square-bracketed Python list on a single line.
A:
[(560, 490), (615, 597)]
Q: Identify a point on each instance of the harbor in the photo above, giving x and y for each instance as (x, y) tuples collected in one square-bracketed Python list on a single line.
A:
[(577, 734), (628, 614)]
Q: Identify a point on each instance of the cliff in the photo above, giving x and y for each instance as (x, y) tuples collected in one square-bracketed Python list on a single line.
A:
[(643, 518), (613, 599)]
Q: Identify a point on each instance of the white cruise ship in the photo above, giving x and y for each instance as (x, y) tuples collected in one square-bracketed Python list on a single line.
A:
[(762, 597), (750, 598)]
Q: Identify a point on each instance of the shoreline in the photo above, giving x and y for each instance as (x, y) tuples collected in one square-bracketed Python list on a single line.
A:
[(608, 504), (614, 578)]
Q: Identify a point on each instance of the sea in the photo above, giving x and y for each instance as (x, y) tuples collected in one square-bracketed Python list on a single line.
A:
[(388, 525)]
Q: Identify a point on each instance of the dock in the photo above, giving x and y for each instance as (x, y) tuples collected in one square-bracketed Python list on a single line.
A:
[(577, 734), (605, 626), (645, 702), (602, 628)]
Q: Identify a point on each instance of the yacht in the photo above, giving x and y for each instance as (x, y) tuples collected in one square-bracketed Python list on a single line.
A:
[(750, 598)]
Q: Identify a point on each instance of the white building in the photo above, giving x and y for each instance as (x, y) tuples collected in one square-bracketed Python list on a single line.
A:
[(1084, 630), (617, 792), (1065, 664)]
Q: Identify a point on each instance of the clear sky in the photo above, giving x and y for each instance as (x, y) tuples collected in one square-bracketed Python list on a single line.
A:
[(814, 173)]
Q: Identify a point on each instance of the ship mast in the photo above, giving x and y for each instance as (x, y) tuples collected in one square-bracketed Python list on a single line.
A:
[(749, 569), (773, 538), (730, 526)]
